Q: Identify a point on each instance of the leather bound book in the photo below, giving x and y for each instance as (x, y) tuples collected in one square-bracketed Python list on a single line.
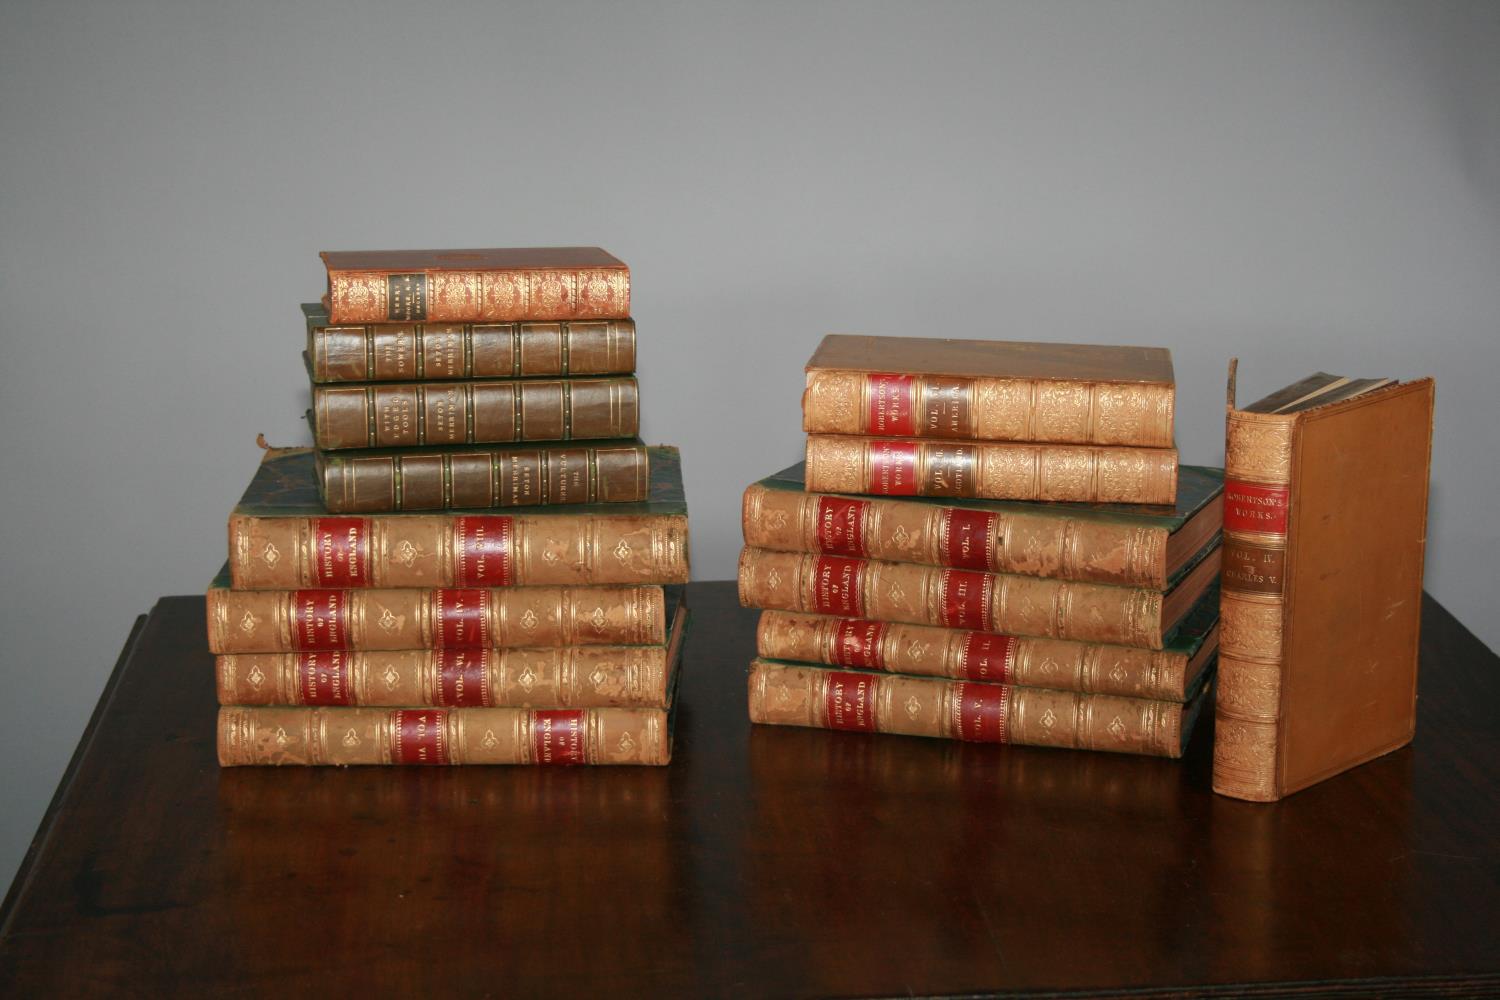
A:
[(1325, 518), (406, 414), (791, 694), (280, 538), (508, 285), (1140, 546), (971, 600), (990, 390), (402, 352), (905, 467)]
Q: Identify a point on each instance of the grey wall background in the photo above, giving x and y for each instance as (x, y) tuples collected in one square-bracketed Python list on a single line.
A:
[(1306, 185)]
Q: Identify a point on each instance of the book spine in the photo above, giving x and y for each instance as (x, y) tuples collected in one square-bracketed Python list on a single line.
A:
[(950, 598), (1091, 668), (477, 296), (790, 695), (1052, 545), (320, 620), (420, 479), (400, 352), (1257, 502), (462, 550), (570, 677), (405, 414), (1064, 411), (899, 467), (312, 736)]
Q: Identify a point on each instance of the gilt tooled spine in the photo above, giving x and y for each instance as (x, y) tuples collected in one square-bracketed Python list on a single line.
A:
[(346, 736), (406, 414), (510, 295), (789, 695), (950, 598), (883, 404), (904, 467), (1091, 668), (399, 352), (1052, 545), (320, 620), (463, 550)]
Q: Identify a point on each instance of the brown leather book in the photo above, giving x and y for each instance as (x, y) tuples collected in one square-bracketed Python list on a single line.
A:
[(1142, 546), (790, 694), (990, 390), (406, 414), (906, 467), (1325, 518), (505, 285), (970, 600), (402, 352)]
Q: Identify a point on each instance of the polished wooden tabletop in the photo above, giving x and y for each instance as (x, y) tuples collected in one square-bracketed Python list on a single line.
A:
[(763, 862)]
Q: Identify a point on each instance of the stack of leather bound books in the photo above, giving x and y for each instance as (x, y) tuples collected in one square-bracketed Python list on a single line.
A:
[(988, 541), (479, 562)]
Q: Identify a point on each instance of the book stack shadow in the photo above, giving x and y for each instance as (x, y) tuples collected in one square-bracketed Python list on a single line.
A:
[(988, 541), (479, 562)]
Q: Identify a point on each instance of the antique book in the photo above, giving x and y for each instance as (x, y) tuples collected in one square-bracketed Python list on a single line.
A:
[(405, 414), (1325, 518), (320, 619), (792, 694), (476, 476), (904, 467), (279, 538), (507, 285), (463, 677), (402, 352), (1173, 673), (1138, 546), (971, 600), (990, 390)]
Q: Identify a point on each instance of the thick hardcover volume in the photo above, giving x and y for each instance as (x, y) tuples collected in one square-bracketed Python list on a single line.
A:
[(902, 467), (508, 285), (406, 414), (402, 352), (1130, 548), (785, 694), (309, 736), (442, 478), (1325, 508)]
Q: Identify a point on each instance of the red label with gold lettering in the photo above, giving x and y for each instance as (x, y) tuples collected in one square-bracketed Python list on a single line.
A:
[(1253, 507), (839, 587), (981, 712), (966, 599), (463, 678), (558, 736), (966, 538), (341, 551), (320, 620), (841, 526), (892, 405), (482, 550), (421, 736), (988, 657), (850, 701), (323, 678), (461, 620), (893, 468), (856, 643)]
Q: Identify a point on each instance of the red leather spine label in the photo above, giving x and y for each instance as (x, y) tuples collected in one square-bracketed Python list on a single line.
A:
[(320, 620), (558, 736), (967, 535), (892, 401), (341, 551), (482, 550), (989, 657), (461, 620), (893, 468), (1253, 507), (839, 587), (421, 736), (981, 712), (323, 678), (850, 701), (463, 678), (966, 599), (856, 643), (841, 526)]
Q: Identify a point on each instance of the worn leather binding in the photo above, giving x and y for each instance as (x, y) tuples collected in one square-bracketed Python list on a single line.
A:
[(906, 467), (1325, 521), (406, 414), (505, 285), (990, 391), (402, 352), (789, 694)]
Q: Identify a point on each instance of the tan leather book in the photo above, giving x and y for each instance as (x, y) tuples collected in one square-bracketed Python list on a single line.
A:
[(908, 467), (990, 390), (1325, 518)]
